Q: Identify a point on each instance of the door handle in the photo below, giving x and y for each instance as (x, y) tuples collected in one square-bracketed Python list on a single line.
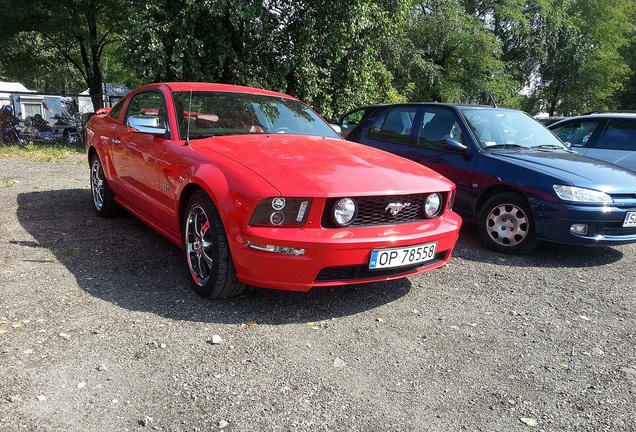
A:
[(115, 141)]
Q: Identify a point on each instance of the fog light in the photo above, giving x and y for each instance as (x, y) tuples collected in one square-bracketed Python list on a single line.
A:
[(283, 250), (578, 229)]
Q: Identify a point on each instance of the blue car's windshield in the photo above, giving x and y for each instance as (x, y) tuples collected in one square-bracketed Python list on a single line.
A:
[(203, 114), (503, 128)]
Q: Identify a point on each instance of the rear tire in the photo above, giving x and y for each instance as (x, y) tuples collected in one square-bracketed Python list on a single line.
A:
[(506, 224), (207, 250)]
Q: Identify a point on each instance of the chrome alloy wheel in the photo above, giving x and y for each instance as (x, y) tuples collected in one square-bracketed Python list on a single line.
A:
[(199, 245), (97, 184), (507, 225)]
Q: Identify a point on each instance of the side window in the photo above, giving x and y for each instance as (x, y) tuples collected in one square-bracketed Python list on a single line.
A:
[(577, 132), (620, 134), (438, 124), (114, 113), (394, 126), (148, 104), (354, 117)]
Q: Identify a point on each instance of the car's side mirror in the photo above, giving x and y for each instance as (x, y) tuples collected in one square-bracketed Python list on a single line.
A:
[(336, 127), (146, 124), (455, 146), (568, 144)]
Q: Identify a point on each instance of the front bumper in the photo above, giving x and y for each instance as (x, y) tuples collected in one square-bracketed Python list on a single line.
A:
[(334, 257), (604, 223)]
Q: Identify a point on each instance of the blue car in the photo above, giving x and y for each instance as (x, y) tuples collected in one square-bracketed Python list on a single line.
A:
[(514, 178)]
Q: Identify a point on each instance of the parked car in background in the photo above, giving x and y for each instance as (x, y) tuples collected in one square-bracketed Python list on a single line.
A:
[(514, 178), (258, 189), (351, 119), (547, 121), (609, 136)]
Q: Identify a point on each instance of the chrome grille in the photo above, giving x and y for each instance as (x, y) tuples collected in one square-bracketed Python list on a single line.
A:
[(373, 210)]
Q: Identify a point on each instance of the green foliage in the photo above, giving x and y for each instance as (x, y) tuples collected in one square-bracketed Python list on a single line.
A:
[(321, 51), (566, 55), (627, 95), (446, 54), (25, 60), (71, 34), (41, 152), (582, 68)]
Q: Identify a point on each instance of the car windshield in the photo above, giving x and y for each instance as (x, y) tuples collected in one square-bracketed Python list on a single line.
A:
[(206, 114), (499, 128)]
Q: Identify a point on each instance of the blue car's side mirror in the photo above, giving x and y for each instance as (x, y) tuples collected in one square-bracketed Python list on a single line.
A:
[(455, 146)]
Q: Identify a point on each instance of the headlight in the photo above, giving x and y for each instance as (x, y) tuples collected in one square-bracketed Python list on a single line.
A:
[(577, 194), (279, 211), (432, 205), (344, 211)]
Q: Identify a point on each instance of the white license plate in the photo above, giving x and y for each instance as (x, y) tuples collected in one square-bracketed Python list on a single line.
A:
[(630, 219), (398, 257)]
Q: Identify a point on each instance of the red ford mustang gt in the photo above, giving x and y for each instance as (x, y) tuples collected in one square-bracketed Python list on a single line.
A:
[(259, 190)]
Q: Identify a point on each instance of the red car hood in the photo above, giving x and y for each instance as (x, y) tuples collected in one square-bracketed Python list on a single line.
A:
[(300, 165)]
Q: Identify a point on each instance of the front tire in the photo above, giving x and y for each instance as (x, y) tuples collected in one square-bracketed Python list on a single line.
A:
[(102, 196), (506, 224), (207, 250)]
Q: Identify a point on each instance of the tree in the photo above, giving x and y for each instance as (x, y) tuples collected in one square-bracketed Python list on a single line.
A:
[(627, 95), (566, 55), (25, 60), (447, 55), (331, 51), (583, 67), (324, 52), (76, 31)]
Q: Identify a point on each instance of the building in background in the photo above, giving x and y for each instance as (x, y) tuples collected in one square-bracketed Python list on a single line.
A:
[(27, 103)]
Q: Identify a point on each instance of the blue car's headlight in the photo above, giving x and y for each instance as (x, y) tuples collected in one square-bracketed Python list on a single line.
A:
[(577, 194)]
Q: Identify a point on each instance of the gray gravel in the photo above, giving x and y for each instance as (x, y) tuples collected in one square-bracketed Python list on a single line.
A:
[(100, 331)]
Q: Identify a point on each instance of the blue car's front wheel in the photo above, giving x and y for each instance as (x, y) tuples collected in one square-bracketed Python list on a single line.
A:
[(506, 224)]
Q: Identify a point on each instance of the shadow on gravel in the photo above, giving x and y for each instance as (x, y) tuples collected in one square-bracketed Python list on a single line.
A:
[(546, 255), (124, 262)]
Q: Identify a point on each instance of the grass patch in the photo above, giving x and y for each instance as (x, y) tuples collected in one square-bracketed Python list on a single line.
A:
[(6, 182), (64, 253), (41, 152)]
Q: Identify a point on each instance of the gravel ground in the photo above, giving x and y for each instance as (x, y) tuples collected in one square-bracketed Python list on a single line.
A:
[(100, 331)]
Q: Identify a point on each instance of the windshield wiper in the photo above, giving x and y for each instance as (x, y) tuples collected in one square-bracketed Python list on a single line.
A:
[(209, 135), (548, 147), (500, 146)]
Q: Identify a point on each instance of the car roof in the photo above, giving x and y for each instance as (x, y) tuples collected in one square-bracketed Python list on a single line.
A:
[(595, 115), (362, 107), (459, 106), (202, 86), (607, 114)]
